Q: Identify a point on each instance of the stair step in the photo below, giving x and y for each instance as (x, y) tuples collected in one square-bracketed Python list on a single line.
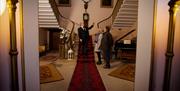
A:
[(47, 17), (124, 20), (52, 20), (46, 14), (49, 10), (128, 17), (115, 25), (130, 5), (48, 23), (128, 9), (130, 2), (127, 23), (49, 26), (43, 1), (44, 6), (126, 14)]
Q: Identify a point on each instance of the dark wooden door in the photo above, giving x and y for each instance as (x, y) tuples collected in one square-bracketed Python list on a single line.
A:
[(54, 40)]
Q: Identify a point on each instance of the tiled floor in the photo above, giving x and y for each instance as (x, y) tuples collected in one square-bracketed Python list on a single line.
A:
[(66, 68)]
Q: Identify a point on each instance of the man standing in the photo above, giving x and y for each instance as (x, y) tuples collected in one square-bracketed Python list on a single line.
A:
[(98, 38), (106, 46), (84, 35)]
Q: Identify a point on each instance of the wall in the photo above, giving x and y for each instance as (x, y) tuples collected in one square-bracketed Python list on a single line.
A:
[(160, 48), (4, 52), (31, 37), (144, 44), (19, 44), (75, 12)]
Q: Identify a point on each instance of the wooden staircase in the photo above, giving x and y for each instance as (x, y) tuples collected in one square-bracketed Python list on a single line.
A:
[(126, 18), (46, 16)]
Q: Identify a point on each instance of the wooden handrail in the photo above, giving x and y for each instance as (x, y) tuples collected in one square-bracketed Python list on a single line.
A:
[(59, 15), (118, 4), (126, 34), (56, 11)]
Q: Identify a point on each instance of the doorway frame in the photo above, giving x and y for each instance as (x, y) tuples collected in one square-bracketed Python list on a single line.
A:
[(144, 51)]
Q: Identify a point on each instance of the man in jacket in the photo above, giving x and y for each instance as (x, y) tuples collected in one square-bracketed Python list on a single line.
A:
[(106, 46), (84, 35)]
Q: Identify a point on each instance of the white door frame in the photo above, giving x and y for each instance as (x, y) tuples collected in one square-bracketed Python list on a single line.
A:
[(144, 44)]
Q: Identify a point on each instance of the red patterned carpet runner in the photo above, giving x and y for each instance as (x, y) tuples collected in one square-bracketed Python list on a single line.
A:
[(86, 76)]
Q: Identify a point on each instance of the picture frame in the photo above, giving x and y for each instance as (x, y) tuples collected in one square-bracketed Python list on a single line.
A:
[(64, 3), (106, 3)]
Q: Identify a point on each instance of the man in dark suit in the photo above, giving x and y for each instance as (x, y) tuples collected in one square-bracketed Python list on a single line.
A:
[(106, 46), (84, 35)]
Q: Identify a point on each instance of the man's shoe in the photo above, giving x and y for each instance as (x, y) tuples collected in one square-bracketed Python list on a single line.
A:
[(99, 62), (107, 67)]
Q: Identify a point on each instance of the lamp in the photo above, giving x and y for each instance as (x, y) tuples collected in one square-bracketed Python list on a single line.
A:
[(13, 46), (2, 6), (173, 4)]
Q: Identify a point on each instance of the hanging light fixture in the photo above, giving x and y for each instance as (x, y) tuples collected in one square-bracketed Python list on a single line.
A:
[(2, 6)]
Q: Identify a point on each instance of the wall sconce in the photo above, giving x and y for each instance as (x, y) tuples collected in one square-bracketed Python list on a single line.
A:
[(2, 6)]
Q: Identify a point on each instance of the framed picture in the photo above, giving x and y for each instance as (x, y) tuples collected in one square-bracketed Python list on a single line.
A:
[(64, 3), (106, 3)]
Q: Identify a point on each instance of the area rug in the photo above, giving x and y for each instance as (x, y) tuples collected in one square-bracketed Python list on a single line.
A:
[(86, 76), (49, 73), (126, 72), (48, 58)]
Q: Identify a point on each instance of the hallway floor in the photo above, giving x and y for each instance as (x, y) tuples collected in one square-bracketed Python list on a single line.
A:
[(66, 68)]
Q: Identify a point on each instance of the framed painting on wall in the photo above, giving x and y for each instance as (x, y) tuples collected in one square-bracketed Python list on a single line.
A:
[(106, 3), (64, 3)]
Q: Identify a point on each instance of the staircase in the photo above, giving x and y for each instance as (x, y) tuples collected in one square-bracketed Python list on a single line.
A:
[(123, 17), (46, 17), (127, 16)]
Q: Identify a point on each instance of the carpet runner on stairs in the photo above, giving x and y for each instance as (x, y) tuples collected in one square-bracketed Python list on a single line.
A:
[(86, 76)]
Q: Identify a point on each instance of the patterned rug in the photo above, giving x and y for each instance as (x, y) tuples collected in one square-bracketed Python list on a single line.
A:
[(126, 72), (49, 73)]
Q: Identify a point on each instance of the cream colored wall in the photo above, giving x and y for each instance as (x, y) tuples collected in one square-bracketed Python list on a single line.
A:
[(31, 37), (5, 80), (75, 12), (144, 44), (160, 43), (19, 45)]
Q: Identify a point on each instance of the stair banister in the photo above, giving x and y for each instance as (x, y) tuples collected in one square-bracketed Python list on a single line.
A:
[(113, 14), (59, 16), (126, 35)]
